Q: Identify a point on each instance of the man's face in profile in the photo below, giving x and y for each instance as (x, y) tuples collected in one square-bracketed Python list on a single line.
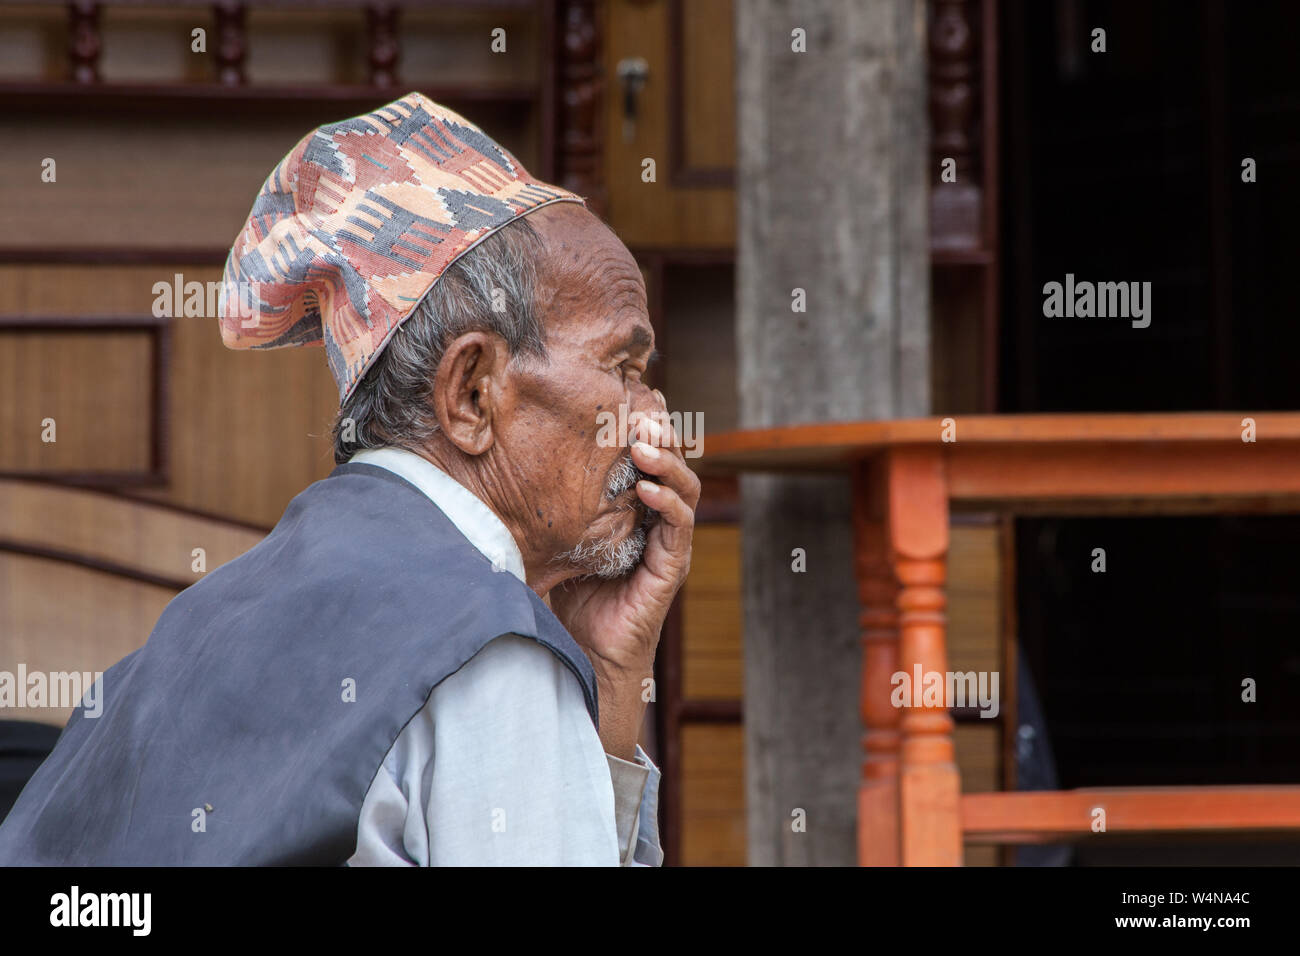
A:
[(581, 487)]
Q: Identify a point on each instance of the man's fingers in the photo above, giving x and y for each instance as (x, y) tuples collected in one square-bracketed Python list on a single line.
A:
[(669, 469), (661, 434), (674, 493), (656, 429), (675, 527)]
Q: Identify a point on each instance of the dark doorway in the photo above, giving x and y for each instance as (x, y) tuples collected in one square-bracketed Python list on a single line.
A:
[(1127, 166)]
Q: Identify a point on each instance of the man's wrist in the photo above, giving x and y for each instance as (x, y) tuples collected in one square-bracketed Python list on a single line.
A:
[(622, 709), (618, 734)]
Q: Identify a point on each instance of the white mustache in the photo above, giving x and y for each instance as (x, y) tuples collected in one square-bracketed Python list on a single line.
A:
[(623, 477), (613, 557)]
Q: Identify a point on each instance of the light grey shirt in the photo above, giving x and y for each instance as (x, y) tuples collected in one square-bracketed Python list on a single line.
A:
[(502, 765)]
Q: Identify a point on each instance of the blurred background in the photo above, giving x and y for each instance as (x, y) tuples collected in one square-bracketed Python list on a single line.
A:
[(129, 157)]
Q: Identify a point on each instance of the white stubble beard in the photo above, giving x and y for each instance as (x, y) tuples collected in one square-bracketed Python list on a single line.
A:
[(613, 556)]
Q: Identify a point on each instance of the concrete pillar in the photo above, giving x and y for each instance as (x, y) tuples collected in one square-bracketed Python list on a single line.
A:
[(832, 196)]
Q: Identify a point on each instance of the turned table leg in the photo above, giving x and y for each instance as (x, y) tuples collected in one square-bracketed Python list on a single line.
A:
[(929, 789), (878, 838)]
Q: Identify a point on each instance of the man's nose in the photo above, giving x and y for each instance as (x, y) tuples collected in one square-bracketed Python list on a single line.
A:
[(646, 400), (644, 403)]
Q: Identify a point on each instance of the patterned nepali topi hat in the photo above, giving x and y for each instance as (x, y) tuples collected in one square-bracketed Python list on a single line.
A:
[(357, 223)]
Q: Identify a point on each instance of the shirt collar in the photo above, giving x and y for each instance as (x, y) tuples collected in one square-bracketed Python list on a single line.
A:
[(467, 512)]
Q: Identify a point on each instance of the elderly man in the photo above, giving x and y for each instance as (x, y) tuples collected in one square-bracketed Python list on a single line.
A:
[(379, 681)]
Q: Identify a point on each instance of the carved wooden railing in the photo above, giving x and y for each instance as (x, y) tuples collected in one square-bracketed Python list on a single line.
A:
[(566, 92)]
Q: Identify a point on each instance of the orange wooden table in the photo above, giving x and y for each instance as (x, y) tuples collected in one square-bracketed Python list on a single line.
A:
[(908, 477)]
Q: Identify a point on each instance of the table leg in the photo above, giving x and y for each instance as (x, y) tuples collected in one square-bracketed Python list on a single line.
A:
[(878, 841), (929, 786)]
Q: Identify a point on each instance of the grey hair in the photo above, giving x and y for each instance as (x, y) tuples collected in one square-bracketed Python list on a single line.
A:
[(491, 288)]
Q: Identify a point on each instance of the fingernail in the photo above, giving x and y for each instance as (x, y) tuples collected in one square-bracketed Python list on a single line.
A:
[(649, 487), (648, 449)]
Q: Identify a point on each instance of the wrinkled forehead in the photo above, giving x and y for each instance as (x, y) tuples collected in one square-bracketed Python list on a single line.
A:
[(590, 287)]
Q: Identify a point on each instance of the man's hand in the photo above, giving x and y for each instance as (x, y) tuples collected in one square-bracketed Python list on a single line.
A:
[(617, 623)]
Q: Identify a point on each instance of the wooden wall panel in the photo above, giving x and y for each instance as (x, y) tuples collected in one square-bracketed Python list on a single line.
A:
[(975, 644), (441, 43), (711, 646), (323, 46), (977, 745), (61, 617), (153, 45), (658, 213), (116, 531), (95, 385), (84, 576), (183, 180), (30, 40), (84, 289), (248, 430), (974, 599), (979, 762), (707, 94), (713, 795)]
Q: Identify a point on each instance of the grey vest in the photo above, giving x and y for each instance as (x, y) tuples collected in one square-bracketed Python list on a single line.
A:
[(236, 705)]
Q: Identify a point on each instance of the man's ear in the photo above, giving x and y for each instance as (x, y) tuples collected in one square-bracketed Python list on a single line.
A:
[(467, 390)]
